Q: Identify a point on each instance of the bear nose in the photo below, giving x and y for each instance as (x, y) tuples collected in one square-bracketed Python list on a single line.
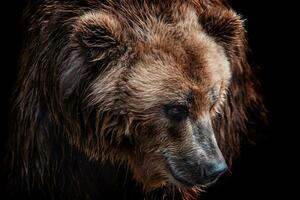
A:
[(213, 171)]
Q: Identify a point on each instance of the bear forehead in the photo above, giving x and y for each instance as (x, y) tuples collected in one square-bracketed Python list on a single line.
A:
[(169, 47), (169, 33), (176, 46), (195, 56)]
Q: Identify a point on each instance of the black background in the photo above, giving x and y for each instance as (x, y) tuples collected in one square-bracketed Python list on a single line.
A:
[(267, 169)]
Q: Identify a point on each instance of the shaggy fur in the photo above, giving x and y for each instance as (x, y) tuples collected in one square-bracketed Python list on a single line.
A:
[(94, 78)]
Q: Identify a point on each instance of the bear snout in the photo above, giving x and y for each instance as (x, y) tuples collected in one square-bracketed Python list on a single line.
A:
[(191, 173)]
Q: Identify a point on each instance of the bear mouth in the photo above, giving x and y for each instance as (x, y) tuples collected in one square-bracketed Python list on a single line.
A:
[(188, 178), (179, 179), (188, 182)]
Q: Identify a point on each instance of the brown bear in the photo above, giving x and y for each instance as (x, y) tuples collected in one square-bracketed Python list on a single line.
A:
[(160, 87)]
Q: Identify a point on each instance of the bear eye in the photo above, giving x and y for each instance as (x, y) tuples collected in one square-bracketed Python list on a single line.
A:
[(215, 93), (176, 112)]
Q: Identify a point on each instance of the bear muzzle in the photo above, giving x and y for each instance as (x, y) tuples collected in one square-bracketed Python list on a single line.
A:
[(201, 163)]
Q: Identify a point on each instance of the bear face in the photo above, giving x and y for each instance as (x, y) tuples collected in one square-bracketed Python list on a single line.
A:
[(168, 81), (160, 86)]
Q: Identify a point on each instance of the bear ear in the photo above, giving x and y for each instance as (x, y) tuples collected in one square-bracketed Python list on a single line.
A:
[(100, 36), (225, 26)]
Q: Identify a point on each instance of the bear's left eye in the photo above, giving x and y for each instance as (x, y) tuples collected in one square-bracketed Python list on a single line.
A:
[(215, 93), (176, 112)]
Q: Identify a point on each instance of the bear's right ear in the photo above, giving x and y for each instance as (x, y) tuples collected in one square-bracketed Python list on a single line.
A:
[(100, 36)]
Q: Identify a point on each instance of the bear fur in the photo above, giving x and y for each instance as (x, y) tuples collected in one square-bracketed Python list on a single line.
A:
[(94, 76)]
